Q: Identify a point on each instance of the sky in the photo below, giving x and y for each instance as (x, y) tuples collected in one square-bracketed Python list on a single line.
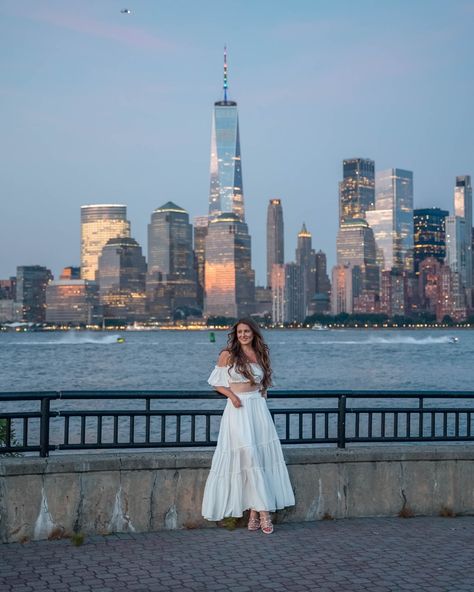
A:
[(97, 106)]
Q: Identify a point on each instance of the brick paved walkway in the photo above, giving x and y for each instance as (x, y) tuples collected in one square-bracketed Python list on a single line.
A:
[(371, 554)]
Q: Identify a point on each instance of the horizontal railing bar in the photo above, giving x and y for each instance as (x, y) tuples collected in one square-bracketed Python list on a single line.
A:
[(187, 394), (28, 395), (421, 410), (408, 438), (19, 414), (298, 410), (308, 440), (29, 448), (130, 413), (182, 412), (152, 444)]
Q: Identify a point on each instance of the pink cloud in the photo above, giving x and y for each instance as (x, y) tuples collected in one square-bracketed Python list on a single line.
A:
[(128, 35)]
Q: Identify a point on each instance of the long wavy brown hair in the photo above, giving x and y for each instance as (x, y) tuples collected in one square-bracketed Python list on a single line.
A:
[(240, 360)]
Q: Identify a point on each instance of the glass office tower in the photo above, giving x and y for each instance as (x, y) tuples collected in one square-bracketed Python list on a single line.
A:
[(121, 277), (275, 238), (463, 210), (455, 245), (392, 219), (357, 189), (429, 235), (230, 280), (306, 260), (171, 279), (31, 282), (226, 192), (170, 244), (356, 247), (99, 223)]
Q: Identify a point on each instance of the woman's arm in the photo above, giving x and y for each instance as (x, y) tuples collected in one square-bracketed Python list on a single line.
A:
[(223, 390)]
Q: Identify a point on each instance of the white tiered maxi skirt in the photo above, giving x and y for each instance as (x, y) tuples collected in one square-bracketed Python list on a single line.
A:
[(248, 469)]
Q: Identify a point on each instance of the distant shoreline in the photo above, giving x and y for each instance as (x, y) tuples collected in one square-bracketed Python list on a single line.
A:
[(26, 329)]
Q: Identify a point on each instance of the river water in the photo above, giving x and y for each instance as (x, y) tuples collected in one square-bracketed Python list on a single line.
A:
[(302, 359)]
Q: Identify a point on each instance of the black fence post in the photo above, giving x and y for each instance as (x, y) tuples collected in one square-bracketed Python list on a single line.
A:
[(341, 422), (420, 417), (44, 427)]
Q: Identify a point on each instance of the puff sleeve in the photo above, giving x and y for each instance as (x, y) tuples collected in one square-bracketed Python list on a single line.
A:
[(219, 376)]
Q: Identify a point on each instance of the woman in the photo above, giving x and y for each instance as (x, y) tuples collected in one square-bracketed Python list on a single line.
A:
[(248, 469)]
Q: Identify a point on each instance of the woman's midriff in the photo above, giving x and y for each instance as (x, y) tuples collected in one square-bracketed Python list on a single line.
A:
[(243, 387)]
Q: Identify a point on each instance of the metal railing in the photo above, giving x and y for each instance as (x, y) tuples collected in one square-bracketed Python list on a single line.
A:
[(82, 420)]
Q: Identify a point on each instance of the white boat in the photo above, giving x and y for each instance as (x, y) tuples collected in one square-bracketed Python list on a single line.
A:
[(319, 327)]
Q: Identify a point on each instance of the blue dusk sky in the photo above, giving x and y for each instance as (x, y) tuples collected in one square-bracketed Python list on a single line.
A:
[(103, 107)]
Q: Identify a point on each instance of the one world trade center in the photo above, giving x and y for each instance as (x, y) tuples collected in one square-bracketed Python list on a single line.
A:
[(228, 276)]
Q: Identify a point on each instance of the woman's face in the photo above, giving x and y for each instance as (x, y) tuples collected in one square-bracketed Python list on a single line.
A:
[(244, 334)]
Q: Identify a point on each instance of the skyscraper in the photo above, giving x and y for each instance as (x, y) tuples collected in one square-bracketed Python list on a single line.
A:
[(357, 189), (171, 266), (226, 192), (121, 276), (355, 240), (455, 241), (275, 237), (287, 293), (392, 219), (99, 223), (170, 244), (278, 293), (463, 198), (31, 282), (71, 300), (294, 293), (343, 277), (463, 210), (199, 241), (356, 247), (456, 258), (10, 310), (429, 235), (323, 285), (320, 303), (229, 278), (306, 260)]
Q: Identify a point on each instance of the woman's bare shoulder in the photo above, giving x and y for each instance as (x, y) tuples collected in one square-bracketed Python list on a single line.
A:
[(224, 358)]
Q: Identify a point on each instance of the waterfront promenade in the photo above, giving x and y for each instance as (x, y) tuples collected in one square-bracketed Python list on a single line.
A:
[(431, 554)]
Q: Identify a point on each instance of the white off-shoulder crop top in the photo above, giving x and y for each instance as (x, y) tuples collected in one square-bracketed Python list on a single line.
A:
[(227, 375)]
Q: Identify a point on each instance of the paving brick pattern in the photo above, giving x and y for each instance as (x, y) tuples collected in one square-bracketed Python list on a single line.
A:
[(371, 554)]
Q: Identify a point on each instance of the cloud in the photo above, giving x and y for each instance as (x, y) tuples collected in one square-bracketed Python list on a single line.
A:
[(127, 35)]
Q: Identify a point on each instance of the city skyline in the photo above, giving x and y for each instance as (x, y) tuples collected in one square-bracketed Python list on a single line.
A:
[(106, 120)]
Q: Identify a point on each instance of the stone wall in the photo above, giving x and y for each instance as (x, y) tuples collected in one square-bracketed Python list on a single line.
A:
[(129, 492)]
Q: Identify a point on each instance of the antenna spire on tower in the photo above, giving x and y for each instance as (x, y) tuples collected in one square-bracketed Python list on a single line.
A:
[(225, 73)]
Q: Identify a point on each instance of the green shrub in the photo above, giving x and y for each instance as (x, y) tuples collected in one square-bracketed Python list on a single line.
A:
[(3, 438)]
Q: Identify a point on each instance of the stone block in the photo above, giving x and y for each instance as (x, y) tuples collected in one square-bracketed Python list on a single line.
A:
[(98, 500), (22, 504)]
